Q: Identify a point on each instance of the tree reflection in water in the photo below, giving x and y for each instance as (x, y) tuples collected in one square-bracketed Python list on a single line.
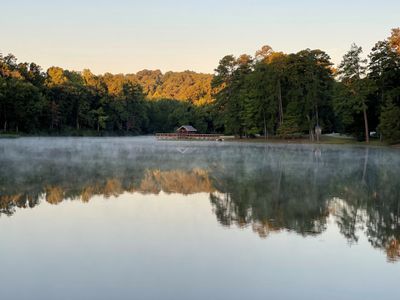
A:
[(270, 188)]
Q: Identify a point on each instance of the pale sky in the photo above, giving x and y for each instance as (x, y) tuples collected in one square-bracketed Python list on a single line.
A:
[(122, 36)]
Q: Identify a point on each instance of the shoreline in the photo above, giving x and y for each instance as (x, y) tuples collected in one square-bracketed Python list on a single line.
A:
[(324, 141)]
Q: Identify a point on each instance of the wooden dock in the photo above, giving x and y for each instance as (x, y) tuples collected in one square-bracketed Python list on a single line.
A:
[(188, 136)]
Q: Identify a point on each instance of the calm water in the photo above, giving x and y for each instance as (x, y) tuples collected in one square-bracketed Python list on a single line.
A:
[(134, 218)]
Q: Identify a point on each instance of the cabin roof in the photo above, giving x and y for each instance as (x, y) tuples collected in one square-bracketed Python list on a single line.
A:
[(187, 128)]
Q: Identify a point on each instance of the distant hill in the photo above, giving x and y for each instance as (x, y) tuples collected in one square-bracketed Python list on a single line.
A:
[(184, 86)]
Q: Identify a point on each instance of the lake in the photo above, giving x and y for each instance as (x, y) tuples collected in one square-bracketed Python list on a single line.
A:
[(137, 218)]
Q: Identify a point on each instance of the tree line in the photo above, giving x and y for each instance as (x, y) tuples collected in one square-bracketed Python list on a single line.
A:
[(290, 94), (272, 93), (67, 102)]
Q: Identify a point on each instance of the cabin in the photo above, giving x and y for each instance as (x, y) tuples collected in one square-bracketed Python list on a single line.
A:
[(186, 129), (187, 132)]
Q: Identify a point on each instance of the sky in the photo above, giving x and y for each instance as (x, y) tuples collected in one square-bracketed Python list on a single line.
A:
[(122, 36)]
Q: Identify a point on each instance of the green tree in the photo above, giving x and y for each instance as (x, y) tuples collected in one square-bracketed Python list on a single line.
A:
[(260, 107), (352, 71), (224, 89), (309, 89), (390, 122)]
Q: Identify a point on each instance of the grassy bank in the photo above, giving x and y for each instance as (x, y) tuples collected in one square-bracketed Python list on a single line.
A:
[(329, 140), (9, 135), (324, 140), (68, 133)]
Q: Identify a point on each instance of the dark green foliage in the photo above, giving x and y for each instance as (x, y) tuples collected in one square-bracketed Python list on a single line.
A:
[(167, 115), (253, 97), (384, 71), (367, 98), (21, 105), (390, 123), (289, 128)]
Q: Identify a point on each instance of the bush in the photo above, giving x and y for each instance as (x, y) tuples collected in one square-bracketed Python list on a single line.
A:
[(390, 123), (289, 128)]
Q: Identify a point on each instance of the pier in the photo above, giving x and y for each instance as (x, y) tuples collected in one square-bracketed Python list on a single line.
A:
[(188, 136)]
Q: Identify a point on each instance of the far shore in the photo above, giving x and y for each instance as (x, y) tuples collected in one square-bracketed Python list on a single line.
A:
[(270, 140), (324, 140)]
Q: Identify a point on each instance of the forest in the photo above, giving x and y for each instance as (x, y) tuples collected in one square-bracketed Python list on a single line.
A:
[(269, 94)]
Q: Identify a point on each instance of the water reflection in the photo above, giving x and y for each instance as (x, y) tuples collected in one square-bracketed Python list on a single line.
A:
[(270, 188)]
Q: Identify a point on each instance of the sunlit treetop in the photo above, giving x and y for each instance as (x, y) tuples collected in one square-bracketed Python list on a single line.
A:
[(394, 39)]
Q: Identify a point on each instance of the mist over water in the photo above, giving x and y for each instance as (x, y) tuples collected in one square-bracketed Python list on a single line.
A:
[(139, 218)]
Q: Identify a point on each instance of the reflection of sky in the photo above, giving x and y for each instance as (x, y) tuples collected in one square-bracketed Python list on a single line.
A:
[(172, 247), (127, 36)]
